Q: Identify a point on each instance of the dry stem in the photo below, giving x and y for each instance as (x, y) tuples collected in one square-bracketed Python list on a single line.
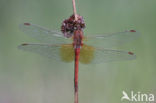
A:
[(74, 9)]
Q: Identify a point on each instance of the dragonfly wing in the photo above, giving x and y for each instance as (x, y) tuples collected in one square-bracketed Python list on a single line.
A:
[(89, 54), (63, 53), (107, 55), (43, 34), (111, 40)]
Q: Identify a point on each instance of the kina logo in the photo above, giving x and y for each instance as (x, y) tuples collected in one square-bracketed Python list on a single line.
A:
[(138, 97)]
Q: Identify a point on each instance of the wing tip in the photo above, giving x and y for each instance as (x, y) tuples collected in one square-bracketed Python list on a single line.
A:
[(132, 30), (133, 56), (130, 53), (24, 44), (24, 24), (27, 24), (137, 33)]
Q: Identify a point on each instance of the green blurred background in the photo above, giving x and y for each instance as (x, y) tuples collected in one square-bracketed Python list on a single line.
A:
[(30, 78)]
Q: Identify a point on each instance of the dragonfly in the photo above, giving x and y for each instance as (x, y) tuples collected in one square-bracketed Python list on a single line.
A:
[(91, 49), (94, 50)]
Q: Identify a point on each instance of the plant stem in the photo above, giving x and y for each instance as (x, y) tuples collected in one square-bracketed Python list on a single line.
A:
[(77, 51), (74, 9)]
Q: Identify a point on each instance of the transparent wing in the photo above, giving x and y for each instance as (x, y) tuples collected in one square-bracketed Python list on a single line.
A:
[(61, 53), (89, 54), (107, 55), (43, 34), (111, 40)]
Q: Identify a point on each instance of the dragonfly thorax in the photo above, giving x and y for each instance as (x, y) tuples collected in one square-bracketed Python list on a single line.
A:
[(77, 38)]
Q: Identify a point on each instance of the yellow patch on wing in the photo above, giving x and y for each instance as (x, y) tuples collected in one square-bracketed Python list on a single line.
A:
[(85, 39), (86, 54), (67, 53)]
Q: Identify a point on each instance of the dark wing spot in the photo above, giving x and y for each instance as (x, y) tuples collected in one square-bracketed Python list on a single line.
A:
[(132, 31), (24, 44), (27, 24), (130, 53)]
